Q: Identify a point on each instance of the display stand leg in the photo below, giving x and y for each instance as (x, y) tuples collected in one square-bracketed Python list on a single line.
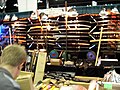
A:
[(98, 50)]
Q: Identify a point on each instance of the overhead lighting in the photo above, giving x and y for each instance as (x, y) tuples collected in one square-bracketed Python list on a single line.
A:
[(16, 5), (103, 13), (14, 17), (34, 16), (39, 1), (115, 10), (2, 7), (7, 17)]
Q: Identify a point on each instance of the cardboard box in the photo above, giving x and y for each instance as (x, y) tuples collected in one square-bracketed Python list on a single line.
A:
[(25, 80), (40, 66)]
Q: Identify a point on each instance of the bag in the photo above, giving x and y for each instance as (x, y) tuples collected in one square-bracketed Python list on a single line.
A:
[(112, 76)]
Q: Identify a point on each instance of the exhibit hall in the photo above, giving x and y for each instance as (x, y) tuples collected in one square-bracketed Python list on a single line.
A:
[(70, 44)]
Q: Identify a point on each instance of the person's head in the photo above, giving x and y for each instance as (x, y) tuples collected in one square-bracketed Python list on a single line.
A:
[(13, 56)]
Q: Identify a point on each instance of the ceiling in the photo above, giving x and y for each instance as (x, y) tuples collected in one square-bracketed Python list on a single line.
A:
[(58, 3)]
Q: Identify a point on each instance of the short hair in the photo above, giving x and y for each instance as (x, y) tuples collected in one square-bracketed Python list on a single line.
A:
[(13, 55)]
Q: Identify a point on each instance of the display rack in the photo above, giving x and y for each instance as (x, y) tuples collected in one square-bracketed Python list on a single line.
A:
[(83, 36)]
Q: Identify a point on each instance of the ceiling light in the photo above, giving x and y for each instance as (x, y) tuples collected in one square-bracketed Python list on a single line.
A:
[(16, 5), (39, 1)]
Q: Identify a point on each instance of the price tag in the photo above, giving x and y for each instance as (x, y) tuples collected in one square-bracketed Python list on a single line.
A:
[(108, 86)]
